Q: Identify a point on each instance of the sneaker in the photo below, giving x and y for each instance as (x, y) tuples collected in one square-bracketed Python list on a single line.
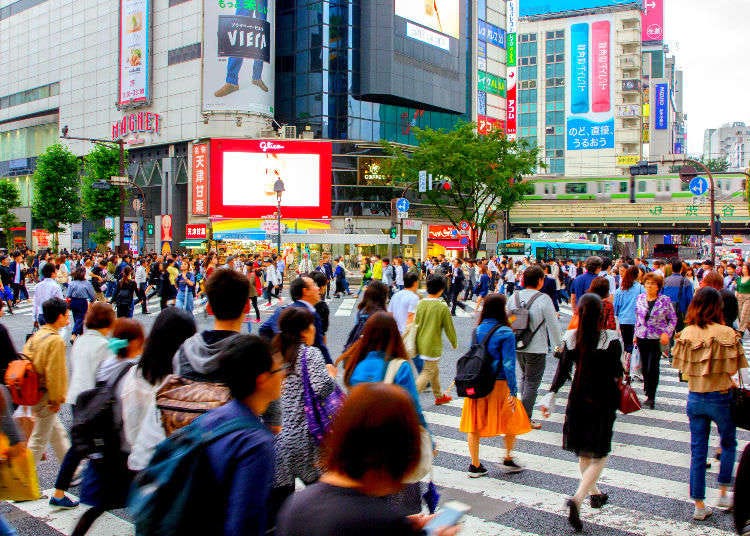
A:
[(476, 472), (597, 501), (725, 502), (260, 84), (257, 320), (536, 425), (65, 503), (510, 466), (443, 399), (700, 514), (226, 89)]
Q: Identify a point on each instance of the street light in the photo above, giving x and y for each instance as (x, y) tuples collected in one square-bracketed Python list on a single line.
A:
[(278, 187)]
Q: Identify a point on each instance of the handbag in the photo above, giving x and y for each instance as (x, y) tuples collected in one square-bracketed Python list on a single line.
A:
[(319, 411), (424, 466), (740, 408), (18, 478), (410, 340), (629, 402)]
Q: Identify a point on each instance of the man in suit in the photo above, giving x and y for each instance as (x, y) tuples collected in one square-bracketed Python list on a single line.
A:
[(19, 275), (458, 279)]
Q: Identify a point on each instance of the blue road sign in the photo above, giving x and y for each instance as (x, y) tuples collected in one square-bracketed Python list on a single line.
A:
[(699, 185), (402, 205)]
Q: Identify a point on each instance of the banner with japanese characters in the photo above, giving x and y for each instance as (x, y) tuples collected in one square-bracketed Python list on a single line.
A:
[(135, 53), (590, 93), (200, 179)]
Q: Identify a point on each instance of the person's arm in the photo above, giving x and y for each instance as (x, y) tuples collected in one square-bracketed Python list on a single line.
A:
[(90, 291), (248, 491), (618, 302), (671, 317), (55, 372), (552, 326), (7, 422), (508, 362), (320, 379), (449, 328)]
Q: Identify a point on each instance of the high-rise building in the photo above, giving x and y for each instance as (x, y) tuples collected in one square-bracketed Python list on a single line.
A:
[(730, 142)]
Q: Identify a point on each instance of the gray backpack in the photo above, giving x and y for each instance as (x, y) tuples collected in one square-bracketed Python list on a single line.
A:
[(521, 324)]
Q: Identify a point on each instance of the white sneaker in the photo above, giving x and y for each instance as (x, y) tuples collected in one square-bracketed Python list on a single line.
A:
[(700, 514), (725, 502)]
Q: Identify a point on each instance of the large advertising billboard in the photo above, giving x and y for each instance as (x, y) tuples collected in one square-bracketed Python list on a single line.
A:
[(661, 106), (438, 15), (511, 114), (244, 174), (652, 21), (590, 121), (135, 53), (531, 8), (238, 56)]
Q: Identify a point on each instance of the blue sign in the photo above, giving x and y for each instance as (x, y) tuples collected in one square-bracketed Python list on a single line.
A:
[(543, 7), (679, 148), (481, 103), (699, 185), (402, 205), (661, 111), (489, 33), (481, 48), (586, 134), (579, 87)]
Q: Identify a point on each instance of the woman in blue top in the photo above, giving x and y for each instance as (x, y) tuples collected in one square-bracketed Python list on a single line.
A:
[(498, 413), (625, 299), (483, 285), (185, 287)]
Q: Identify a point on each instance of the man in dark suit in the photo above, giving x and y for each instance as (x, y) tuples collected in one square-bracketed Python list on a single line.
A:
[(19, 275), (458, 279)]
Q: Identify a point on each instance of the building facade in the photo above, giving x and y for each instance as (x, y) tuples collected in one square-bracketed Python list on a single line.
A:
[(731, 142)]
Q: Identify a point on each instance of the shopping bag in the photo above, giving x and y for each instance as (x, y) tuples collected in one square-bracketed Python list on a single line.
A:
[(635, 361), (18, 478), (629, 402), (514, 418), (24, 420)]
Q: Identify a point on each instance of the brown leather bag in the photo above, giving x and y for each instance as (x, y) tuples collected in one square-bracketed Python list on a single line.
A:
[(180, 401)]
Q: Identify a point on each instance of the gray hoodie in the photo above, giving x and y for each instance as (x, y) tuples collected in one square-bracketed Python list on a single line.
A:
[(197, 358)]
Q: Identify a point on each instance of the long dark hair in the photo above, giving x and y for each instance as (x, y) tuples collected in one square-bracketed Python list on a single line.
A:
[(706, 308), (589, 325), (376, 294), (379, 334), (630, 277), (494, 308), (292, 322), (171, 328)]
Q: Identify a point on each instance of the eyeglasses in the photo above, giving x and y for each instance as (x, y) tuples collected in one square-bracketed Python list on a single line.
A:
[(283, 368)]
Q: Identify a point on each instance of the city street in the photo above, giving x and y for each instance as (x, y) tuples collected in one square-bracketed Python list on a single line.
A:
[(646, 476)]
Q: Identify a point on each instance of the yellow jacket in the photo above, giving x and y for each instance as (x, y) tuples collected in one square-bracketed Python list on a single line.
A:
[(46, 349)]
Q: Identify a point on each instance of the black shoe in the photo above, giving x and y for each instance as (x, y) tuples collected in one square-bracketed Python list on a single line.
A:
[(510, 466), (573, 517), (476, 472), (597, 501), (649, 403)]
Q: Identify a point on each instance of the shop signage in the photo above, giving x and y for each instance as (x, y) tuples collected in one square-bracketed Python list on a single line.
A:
[(442, 232), (652, 21), (135, 53), (412, 225), (489, 33), (135, 123), (485, 124), (627, 160), (244, 37), (196, 231), (491, 83), (200, 179)]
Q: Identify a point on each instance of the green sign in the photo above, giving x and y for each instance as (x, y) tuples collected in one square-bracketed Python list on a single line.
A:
[(511, 50), (150, 229), (394, 232), (491, 83)]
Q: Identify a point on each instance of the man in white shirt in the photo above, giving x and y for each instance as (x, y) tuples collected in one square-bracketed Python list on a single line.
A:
[(403, 305), (305, 265), (47, 289)]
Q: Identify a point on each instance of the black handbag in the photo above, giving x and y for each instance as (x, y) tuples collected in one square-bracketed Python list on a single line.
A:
[(741, 405)]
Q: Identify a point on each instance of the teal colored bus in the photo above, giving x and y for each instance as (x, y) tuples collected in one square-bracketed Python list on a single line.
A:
[(576, 250)]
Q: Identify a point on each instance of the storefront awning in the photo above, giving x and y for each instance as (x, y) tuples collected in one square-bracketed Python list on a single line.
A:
[(337, 238), (193, 243), (449, 244)]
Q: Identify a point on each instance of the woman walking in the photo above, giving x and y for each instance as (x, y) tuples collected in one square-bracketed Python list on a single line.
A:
[(123, 298), (80, 293), (374, 300), (709, 354), (185, 287), (594, 397), (483, 286), (256, 288), (655, 323), (743, 297), (494, 414), (625, 298)]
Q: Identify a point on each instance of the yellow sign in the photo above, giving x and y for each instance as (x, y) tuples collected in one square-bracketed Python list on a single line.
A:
[(627, 159), (625, 238)]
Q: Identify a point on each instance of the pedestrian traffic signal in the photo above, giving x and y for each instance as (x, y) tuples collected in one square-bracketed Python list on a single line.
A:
[(444, 185), (717, 226), (150, 229), (394, 232)]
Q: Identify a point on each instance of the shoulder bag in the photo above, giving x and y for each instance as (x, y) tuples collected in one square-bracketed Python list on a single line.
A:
[(319, 411), (741, 404)]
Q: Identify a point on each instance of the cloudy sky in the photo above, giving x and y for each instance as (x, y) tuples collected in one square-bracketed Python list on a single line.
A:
[(711, 43)]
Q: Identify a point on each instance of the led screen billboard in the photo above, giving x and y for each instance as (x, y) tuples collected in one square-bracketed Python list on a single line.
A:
[(542, 7), (439, 15), (244, 173), (135, 53)]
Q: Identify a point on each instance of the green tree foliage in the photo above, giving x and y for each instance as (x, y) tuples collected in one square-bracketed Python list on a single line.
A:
[(99, 165), (484, 170), (716, 165), (103, 236), (57, 189), (10, 198)]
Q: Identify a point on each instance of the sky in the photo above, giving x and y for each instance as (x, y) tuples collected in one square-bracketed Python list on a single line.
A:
[(711, 45)]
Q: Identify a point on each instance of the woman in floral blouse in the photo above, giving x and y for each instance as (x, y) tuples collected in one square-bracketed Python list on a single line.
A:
[(654, 325)]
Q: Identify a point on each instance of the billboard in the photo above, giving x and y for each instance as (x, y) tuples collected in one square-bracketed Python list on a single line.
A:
[(590, 120), (512, 63), (200, 179), (543, 7), (652, 21), (238, 56), (438, 15), (134, 63), (661, 106), (244, 173)]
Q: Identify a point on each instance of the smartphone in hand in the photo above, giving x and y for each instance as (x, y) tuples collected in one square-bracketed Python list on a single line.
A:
[(450, 514)]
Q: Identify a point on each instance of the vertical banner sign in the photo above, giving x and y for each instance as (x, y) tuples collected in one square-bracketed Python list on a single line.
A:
[(590, 118), (652, 21), (661, 106), (238, 56), (200, 179), (135, 54), (511, 117)]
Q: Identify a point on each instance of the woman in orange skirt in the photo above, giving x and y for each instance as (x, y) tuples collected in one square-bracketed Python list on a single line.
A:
[(500, 412)]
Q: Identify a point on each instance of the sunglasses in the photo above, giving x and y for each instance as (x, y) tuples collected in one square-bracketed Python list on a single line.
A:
[(283, 368)]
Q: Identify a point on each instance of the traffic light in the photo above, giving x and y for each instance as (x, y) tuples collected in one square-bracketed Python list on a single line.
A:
[(150, 229), (717, 226), (444, 185), (394, 231)]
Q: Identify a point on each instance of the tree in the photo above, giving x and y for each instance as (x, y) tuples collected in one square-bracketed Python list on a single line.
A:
[(57, 189), (99, 165), (103, 236), (484, 172), (716, 165), (10, 198)]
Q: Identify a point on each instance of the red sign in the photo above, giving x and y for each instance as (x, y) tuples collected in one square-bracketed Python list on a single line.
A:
[(41, 236), (652, 21), (136, 122), (600, 42), (200, 179), (511, 126), (485, 124), (247, 176), (196, 231), (442, 232)]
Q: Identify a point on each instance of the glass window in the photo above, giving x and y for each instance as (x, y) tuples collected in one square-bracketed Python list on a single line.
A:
[(575, 188), (623, 187), (641, 187)]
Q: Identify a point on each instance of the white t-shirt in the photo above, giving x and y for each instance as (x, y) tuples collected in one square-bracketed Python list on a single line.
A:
[(402, 303)]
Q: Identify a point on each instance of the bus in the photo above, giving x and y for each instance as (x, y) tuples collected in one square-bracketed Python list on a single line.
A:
[(674, 251), (551, 249)]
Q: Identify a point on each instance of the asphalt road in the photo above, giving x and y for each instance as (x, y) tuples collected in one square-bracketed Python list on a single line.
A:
[(646, 476)]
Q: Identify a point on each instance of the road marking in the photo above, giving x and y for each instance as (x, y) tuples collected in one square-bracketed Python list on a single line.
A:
[(346, 307)]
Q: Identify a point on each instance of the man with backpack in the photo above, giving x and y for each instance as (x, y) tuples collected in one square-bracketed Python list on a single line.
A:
[(536, 336), (46, 350), (680, 291)]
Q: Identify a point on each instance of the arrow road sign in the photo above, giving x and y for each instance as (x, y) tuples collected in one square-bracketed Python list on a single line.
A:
[(699, 185), (402, 205)]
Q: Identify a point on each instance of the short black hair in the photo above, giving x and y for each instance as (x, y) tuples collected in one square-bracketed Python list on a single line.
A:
[(53, 308), (676, 266), (593, 263), (409, 279), (240, 364), (532, 275), (228, 292), (296, 287), (435, 284), (48, 269), (320, 279)]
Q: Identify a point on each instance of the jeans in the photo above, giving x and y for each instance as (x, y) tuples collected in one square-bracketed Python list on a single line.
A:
[(650, 350), (235, 64), (532, 370), (702, 408), (628, 331), (110, 291), (78, 306), (6, 529), (185, 300)]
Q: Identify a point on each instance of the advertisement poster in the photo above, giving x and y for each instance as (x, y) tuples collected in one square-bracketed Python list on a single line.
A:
[(491, 83), (135, 52), (511, 117), (200, 179), (661, 106), (543, 7), (166, 228), (238, 56), (652, 21), (489, 33), (439, 15), (590, 121)]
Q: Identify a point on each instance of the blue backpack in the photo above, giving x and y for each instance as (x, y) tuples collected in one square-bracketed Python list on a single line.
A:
[(165, 495)]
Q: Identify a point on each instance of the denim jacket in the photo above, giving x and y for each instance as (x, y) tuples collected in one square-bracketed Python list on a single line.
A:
[(502, 346)]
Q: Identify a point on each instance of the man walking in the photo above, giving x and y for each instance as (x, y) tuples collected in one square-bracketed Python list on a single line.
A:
[(45, 290)]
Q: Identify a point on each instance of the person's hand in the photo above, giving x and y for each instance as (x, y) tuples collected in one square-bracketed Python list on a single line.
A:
[(332, 370), (54, 408), (420, 521), (635, 340), (14, 451), (36, 323), (664, 339)]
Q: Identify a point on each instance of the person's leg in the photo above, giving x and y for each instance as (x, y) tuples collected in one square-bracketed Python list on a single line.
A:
[(59, 438), (86, 520), (700, 428), (627, 331), (67, 470), (534, 372), (510, 441), (42, 430), (589, 478), (722, 415), (254, 301), (473, 439), (430, 372), (522, 362), (646, 349)]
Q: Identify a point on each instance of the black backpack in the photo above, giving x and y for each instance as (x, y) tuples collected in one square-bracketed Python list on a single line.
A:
[(96, 428), (475, 373)]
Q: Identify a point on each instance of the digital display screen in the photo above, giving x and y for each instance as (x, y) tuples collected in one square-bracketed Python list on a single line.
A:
[(439, 15)]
